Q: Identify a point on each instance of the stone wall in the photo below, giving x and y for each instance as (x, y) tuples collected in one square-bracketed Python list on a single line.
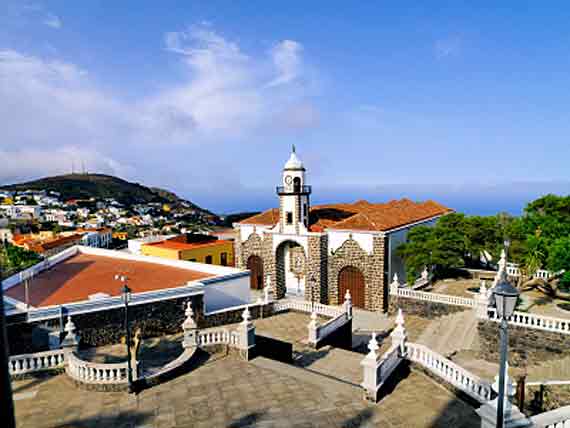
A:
[(527, 346), (422, 308), (154, 319), (372, 266), (318, 267)]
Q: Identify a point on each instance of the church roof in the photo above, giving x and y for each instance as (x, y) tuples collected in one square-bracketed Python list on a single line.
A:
[(361, 215), (266, 218)]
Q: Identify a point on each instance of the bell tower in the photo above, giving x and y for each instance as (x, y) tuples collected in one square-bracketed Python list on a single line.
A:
[(293, 197)]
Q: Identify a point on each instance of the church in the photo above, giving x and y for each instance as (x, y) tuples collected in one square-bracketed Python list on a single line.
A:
[(322, 251)]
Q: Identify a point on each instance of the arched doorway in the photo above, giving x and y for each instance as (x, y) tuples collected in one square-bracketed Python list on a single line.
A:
[(290, 264), (352, 279), (255, 265)]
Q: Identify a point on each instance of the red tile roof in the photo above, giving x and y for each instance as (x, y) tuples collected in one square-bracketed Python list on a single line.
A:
[(361, 215), (266, 218), (82, 275)]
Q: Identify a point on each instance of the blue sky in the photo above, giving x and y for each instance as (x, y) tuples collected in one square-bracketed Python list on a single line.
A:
[(463, 102)]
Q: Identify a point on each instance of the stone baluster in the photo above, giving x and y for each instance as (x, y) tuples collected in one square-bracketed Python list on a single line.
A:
[(513, 417), (71, 340), (399, 335), (348, 304), (482, 301), (370, 370), (190, 328), (246, 331), (395, 284), (313, 328)]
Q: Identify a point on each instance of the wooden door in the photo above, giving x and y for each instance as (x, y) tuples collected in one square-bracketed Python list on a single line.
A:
[(255, 265), (350, 278)]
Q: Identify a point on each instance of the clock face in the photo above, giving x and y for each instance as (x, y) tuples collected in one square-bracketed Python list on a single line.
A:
[(288, 179)]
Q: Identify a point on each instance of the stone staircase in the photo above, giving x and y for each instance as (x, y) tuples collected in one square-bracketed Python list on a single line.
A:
[(451, 333)]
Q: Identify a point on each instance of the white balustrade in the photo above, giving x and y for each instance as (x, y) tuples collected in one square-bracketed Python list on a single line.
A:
[(557, 418), (331, 326), (433, 297), (89, 372), (28, 363), (306, 306), (449, 371), (539, 322)]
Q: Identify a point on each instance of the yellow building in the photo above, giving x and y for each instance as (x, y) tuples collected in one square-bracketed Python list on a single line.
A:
[(211, 251)]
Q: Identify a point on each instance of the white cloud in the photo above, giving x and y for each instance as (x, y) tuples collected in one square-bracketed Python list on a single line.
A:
[(51, 108), (287, 59), (447, 47), (53, 21)]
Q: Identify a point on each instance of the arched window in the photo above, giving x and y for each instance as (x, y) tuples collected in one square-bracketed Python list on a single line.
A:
[(296, 185)]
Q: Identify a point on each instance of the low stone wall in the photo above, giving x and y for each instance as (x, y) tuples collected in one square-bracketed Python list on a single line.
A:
[(422, 308), (527, 346)]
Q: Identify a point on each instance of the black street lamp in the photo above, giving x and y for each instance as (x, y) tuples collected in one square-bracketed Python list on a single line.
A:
[(126, 297), (312, 281), (505, 298)]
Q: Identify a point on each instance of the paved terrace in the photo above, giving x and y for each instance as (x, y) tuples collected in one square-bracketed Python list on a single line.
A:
[(227, 392)]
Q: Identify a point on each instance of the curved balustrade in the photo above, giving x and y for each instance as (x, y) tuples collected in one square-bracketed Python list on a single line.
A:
[(88, 372), (449, 371), (433, 297), (540, 322), (27, 363)]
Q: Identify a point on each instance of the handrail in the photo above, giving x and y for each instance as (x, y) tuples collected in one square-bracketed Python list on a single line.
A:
[(539, 322), (306, 306), (433, 297), (27, 363), (89, 372), (557, 418), (449, 371), (331, 325)]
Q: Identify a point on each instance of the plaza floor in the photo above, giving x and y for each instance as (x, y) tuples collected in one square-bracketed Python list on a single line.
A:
[(227, 392)]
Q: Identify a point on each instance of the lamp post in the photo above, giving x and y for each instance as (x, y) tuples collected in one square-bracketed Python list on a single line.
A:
[(126, 297), (505, 297)]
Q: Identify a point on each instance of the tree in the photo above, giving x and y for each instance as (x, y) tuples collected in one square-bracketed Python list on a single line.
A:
[(535, 254), (559, 255)]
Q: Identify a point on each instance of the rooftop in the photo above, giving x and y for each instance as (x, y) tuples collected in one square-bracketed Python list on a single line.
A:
[(180, 244), (82, 275), (361, 215)]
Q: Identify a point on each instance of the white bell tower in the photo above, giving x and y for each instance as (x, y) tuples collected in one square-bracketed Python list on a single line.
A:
[(293, 197)]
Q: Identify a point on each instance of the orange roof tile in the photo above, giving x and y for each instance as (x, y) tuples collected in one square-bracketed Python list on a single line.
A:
[(361, 215), (266, 218)]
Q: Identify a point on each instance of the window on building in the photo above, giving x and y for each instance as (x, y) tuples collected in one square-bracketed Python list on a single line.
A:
[(305, 210), (192, 260), (289, 217), (209, 260), (224, 259)]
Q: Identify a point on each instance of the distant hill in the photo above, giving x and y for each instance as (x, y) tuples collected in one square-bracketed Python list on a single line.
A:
[(100, 186)]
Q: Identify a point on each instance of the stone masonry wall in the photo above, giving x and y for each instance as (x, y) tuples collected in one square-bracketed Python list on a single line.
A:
[(372, 267), (527, 346), (318, 268)]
